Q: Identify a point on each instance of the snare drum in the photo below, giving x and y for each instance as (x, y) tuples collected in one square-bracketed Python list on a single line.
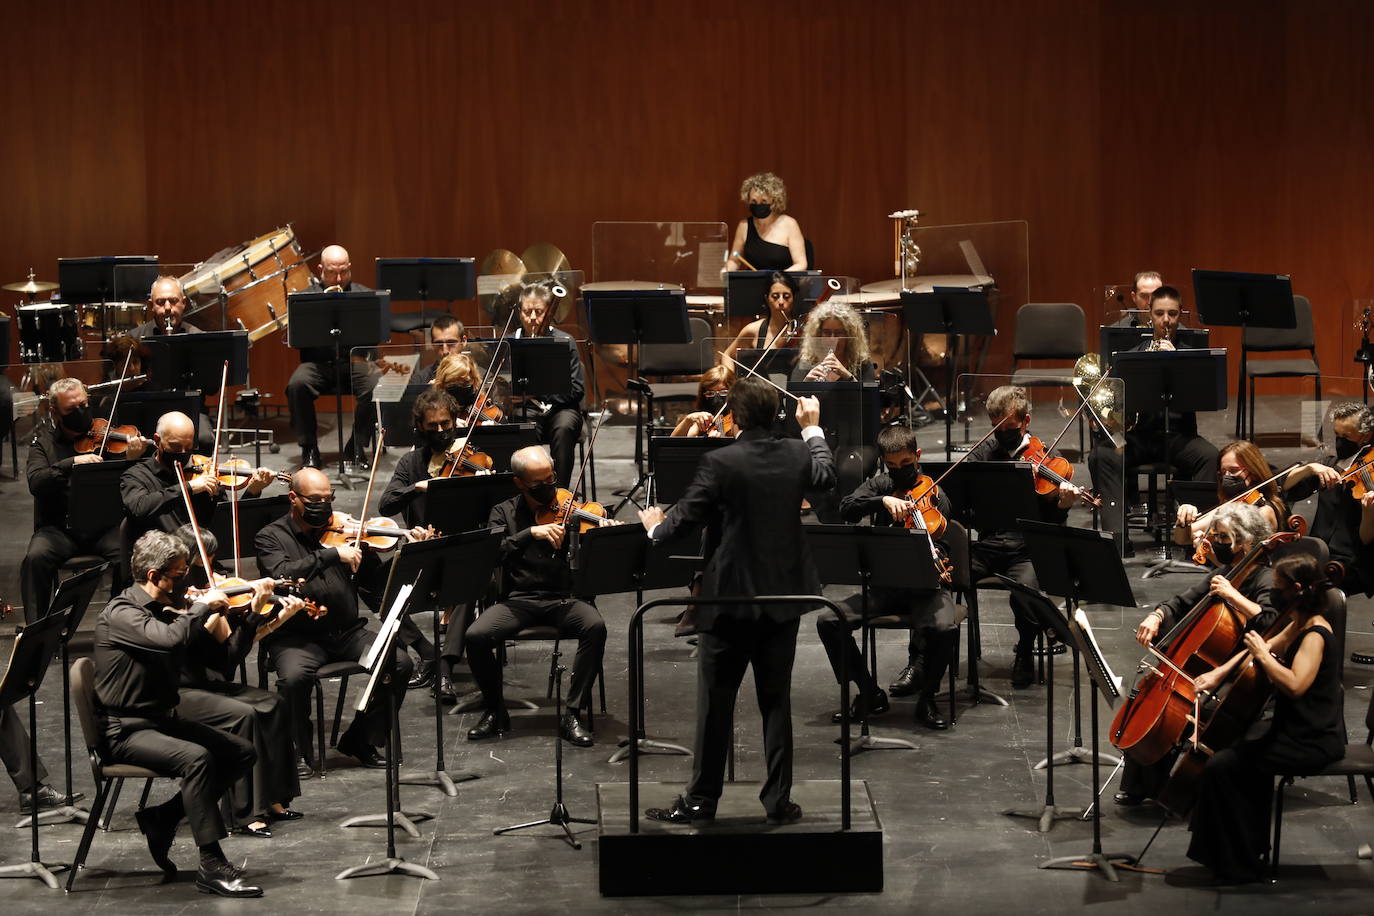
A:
[(49, 332), (257, 278), (119, 316)]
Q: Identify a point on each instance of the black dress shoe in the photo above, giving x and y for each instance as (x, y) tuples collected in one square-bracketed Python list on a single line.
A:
[(877, 705), (48, 797), (424, 675), (448, 694), (362, 752), (1128, 799), (226, 881), (906, 682), (489, 726), (287, 815), (681, 813), (310, 456), (262, 833), (1022, 667), (789, 812), (159, 835), (574, 732), (928, 713)]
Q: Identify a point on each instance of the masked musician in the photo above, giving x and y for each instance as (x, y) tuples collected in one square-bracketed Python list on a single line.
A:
[(712, 390), (1238, 528), (167, 302), (748, 495), (1242, 467), (291, 548), (882, 500), (140, 641), (561, 423), (769, 239), (319, 373), (52, 455)]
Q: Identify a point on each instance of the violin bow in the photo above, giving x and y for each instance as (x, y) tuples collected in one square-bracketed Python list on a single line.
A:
[(109, 424), (195, 525), (489, 383), (1244, 493), (582, 471), (219, 420), (234, 520), (367, 495)]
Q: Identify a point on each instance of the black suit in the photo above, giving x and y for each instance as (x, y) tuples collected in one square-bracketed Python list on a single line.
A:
[(749, 496)]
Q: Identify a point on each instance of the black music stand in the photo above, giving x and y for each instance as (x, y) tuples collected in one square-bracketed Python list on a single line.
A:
[(182, 361), (118, 278), (501, 440), (449, 571), (952, 312), (255, 513), (637, 317), (454, 505), (1080, 566), (94, 505), (423, 279), (746, 291), (673, 464), (1114, 340), (339, 321), (33, 649), (144, 408), (539, 366), (872, 558), (849, 418), (1233, 299), (619, 559)]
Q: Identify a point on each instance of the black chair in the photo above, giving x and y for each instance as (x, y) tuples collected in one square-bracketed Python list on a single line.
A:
[(664, 360), (549, 633), (340, 671), (1277, 340), (1047, 330)]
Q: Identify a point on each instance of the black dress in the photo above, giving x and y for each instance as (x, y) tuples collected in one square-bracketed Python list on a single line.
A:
[(1230, 822), (765, 255)]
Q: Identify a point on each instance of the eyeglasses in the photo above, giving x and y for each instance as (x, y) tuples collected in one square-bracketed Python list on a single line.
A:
[(315, 500)]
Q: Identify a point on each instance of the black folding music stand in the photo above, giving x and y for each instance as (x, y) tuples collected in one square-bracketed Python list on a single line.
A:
[(255, 513), (1113, 340), (1235, 299), (423, 279), (889, 558), (454, 505), (94, 505), (849, 418), (1080, 566), (339, 321), (143, 408), (673, 463), (539, 366), (179, 361), (34, 647), (952, 312), (618, 559), (501, 440)]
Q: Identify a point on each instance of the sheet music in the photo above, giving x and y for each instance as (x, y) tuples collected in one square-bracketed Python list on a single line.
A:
[(1098, 667), (391, 387), (391, 622)]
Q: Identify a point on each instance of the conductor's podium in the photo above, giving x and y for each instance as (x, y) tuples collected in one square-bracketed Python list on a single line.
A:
[(739, 853)]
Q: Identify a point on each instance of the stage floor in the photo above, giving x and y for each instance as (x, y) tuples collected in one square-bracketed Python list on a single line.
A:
[(947, 847)]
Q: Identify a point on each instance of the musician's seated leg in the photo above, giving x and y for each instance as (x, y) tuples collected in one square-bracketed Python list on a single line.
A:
[(364, 379), (1194, 458), (298, 661), (582, 621), (1141, 781), (559, 430), (48, 549), (481, 642), (838, 639), (308, 382)]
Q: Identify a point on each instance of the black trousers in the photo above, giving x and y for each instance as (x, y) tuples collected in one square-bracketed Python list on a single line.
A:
[(454, 632), (560, 429), (299, 659), (1146, 779), (1014, 563), (206, 759), (14, 751), (932, 615), (574, 620), (1230, 820), (1193, 456), (310, 380), (724, 652), (49, 548), (260, 717)]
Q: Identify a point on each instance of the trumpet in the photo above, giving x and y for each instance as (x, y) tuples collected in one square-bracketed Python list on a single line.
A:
[(336, 288)]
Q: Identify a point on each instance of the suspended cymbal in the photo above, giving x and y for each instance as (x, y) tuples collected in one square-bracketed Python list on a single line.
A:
[(501, 261), (30, 286), (498, 283), (546, 258)]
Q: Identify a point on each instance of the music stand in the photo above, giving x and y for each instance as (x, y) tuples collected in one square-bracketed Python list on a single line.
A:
[(33, 649), (952, 312), (144, 408), (454, 505), (339, 321), (890, 558), (1114, 340), (423, 279), (746, 291), (617, 559), (539, 366), (179, 361), (1233, 299), (673, 464), (255, 513), (94, 505), (118, 278), (501, 440), (849, 418)]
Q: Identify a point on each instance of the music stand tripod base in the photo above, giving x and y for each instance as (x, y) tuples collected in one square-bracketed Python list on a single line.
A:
[(1046, 815), (648, 746), (1104, 862), (64, 814), (387, 867), (440, 779), (403, 819), (1077, 754), (978, 694), (32, 870)]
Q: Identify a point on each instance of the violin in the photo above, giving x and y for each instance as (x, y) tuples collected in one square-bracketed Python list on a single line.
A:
[(240, 593), (725, 425), (565, 508), (925, 516), (95, 439), (1360, 474), (379, 533), (463, 462), (484, 411), (233, 474), (1051, 472)]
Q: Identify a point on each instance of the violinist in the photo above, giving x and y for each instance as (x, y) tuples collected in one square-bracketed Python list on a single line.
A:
[(291, 548), (884, 501), (537, 584), (1230, 820), (447, 336), (1344, 522), (210, 695), (1004, 551), (560, 426), (712, 390), (458, 375), (52, 454), (1242, 467), (1237, 529)]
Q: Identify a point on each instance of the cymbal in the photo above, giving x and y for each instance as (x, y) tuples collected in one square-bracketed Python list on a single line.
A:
[(30, 286), (501, 261), (497, 283)]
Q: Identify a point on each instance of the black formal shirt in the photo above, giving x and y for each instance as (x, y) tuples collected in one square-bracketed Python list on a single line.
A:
[(153, 502), (49, 470), (572, 399), (1011, 538), (210, 660), (140, 645), (1337, 520), (401, 497), (286, 552), (533, 568)]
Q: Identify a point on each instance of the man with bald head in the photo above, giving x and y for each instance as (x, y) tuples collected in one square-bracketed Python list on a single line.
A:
[(538, 587), (290, 548), (167, 302), (320, 374)]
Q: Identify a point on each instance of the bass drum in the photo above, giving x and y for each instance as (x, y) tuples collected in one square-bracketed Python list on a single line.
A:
[(256, 278), (49, 332)]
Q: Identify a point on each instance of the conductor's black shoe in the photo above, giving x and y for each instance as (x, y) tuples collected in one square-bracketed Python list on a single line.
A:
[(572, 731), (928, 713), (159, 835), (448, 695), (681, 813), (906, 682), (1022, 666), (48, 797), (362, 752), (489, 726), (1128, 799), (423, 677), (226, 881), (877, 705), (789, 812)]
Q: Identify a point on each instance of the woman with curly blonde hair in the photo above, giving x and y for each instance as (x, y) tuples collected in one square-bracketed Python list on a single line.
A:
[(834, 346), (768, 239)]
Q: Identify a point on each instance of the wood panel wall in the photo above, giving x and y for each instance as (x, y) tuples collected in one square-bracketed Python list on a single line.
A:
[(1127, 134)]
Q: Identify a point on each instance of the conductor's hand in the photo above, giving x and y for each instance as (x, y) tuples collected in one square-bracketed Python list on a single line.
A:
[(350, 556), (808, 412), (1147, 630), (550, 534), (651, 516), (897, 508)]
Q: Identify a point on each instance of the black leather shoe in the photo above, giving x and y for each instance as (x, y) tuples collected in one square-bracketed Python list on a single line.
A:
[(928, 713), (448, 694), (789, 812), (262, 833), (1022, 667), (574, 732), (877, 705), (906, 682), (159, 835), (362, 752), (48, 797), (681, 813), (424, 675), (1128, 799), (225, 881), (489, 726), (287, 815)]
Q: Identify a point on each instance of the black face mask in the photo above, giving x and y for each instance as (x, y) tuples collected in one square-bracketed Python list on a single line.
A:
[(1009, 439), (79, 421), (172, 459), (761, 211), (543, 493), (438, 440), (1224, 553), (715, 398), (903, 479), (317, 515), (1345, 448), (1233, 485), (463, 394)]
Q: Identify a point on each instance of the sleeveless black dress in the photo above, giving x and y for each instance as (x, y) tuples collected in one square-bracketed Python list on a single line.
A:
[(765, 255)]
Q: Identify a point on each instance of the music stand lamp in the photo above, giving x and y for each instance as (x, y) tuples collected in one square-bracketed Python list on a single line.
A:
[(339, 321), (1234, 299), (636, 317), (422, 279), (952, 312)]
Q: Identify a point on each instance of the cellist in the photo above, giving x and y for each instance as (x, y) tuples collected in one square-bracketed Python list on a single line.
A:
[(1238, 528)]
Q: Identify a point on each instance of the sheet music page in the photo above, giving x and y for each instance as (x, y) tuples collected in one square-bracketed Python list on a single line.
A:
[(390, 623), (391, 387), (1092, 653)]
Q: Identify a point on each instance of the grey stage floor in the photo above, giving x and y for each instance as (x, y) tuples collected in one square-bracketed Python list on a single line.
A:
[(948, 849)]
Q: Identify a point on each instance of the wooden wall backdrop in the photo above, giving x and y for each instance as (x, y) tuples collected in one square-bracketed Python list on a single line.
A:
[(1235, 134)]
